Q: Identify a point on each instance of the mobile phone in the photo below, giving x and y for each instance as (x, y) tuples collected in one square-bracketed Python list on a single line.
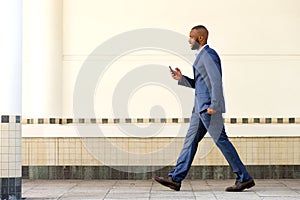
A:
[(173, 72)]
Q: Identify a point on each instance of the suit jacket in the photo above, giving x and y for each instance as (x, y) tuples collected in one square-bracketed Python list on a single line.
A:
[(207, 81)]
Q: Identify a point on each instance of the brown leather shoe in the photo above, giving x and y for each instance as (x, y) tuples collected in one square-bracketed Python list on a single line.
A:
[(240, 186), (168, 182)]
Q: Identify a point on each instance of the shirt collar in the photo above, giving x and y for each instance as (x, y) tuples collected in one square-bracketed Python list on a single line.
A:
[(198, 51)]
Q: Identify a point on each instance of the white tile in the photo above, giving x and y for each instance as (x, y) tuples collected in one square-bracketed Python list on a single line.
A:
[(4, 158), (18, 173), (12, 142), (4, 150), (4, 173), (4, 165), (18, 134), (4, 134), (18, 127), (12, 173), (4, 142), (18, 149), (18, 142), (12, 119), (12, 163), (12, 158), (4, 127), (12, 126), (18, 165)]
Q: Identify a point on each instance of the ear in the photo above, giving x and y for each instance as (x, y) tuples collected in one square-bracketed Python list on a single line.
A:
[(200, 37)]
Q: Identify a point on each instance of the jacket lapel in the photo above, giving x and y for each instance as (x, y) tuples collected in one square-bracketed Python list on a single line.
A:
[(201, 52), (198, 58)]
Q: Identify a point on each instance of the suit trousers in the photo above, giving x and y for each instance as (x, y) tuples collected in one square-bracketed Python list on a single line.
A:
[(200, 124)]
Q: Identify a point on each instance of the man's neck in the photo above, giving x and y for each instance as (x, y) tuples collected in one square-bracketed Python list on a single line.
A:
[(201, 47), (199, 50)]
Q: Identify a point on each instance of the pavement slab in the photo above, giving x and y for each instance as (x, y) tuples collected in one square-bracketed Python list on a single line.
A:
[(265, 189)]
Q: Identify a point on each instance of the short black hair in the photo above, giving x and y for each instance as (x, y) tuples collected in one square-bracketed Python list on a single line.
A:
[(201, 29)]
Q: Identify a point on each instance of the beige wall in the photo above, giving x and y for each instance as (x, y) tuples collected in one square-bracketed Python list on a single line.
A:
[(257, 40)]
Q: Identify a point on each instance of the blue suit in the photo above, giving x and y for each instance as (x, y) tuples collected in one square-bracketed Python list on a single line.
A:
[(207, 83)]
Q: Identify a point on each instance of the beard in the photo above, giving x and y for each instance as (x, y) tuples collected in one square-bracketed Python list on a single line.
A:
[(195, 45)]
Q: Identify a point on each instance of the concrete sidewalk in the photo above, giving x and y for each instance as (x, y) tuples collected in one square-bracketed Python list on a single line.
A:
[(279, 189)]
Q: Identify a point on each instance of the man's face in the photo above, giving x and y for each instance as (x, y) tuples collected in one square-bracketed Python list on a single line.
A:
[(195, 44)]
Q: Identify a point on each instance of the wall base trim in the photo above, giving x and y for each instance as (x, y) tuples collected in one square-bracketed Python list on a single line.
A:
[(11, 188), (196, 172)]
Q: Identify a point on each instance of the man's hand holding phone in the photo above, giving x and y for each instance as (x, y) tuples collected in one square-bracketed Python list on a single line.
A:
[(176, 74)]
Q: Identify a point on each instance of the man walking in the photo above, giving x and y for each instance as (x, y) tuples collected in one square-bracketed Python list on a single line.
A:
[(207, 115)]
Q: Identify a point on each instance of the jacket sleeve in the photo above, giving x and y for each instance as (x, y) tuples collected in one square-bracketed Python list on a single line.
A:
[(187, 82), (213, 68)]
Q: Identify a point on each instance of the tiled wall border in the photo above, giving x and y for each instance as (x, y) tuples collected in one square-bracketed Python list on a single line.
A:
[(64, 121), (10, 119), (11, 157)]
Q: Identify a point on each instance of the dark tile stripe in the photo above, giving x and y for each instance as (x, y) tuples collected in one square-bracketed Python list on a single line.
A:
[(292, 120), (195, 172), (5, 119), (11, 188), (10, 118)]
